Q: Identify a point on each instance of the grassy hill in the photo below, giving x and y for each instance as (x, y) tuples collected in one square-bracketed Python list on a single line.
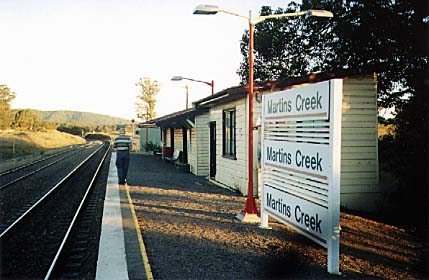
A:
[(79, 118), (16, 144)]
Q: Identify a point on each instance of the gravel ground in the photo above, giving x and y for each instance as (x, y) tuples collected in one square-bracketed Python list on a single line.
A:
[(189, 230)]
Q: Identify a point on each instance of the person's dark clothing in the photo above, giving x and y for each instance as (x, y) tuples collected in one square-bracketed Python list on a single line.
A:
[(122, 160), (123, 145)]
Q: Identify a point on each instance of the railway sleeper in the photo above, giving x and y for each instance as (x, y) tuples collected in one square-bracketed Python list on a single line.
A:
[(90, 209), (71, 275), (87, 223), (87, 218), (75, 257), (81, 242), (80, 235), (78, 250), (82, 231), (73, 265)]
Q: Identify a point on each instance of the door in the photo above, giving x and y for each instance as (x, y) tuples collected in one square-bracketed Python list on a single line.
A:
[(185, 145), (212, 149)]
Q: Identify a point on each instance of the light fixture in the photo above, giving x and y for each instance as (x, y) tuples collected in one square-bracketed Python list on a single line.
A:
[(177, 78), (206, 10), (319, 13)]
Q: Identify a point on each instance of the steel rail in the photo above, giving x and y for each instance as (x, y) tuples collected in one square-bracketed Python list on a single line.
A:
[(35, 171), (47, 194), (72, 223)]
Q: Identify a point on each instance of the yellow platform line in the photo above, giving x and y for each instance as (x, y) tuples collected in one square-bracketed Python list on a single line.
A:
[(143, 252)]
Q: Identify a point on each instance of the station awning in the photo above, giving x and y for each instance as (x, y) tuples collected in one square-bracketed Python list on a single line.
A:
[(184, 118)]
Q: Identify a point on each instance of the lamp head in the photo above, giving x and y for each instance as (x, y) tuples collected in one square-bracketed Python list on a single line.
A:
[(319, 13), (204, 9), (177, 78)]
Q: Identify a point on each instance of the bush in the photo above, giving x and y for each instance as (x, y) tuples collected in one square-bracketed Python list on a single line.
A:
[(150, 146), (97, 136), (404, 156)]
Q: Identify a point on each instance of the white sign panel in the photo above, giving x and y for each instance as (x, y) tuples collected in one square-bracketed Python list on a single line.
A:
[(301, 159), (305, 217), (307, 102), (310, 159)]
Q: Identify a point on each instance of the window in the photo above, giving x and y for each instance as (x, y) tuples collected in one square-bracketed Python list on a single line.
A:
[(228, 126)]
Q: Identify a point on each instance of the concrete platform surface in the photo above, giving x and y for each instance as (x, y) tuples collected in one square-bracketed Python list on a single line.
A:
[(121, 251)]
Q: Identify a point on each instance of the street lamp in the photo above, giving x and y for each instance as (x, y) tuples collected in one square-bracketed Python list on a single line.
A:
[(179, 78), (250, 211)]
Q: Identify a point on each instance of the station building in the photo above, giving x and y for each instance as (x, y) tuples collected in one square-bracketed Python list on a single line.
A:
[(212, 136)]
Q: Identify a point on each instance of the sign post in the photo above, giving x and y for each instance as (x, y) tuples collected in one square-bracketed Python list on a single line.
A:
[(301, 160)]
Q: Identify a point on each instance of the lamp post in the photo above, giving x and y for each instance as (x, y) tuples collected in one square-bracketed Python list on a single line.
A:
[(179, 78), (249, 214)]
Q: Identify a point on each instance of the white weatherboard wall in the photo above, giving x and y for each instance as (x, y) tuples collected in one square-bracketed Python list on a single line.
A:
[(202, 136), (359, 145), (301, 159), (178, 139), (232, 172), (199, 146), (168, 138), (192, 151)]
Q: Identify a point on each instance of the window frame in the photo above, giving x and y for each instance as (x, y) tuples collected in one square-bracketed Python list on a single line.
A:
[(229, 140)]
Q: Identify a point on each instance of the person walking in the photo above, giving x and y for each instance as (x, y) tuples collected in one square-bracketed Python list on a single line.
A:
[(122, 144)]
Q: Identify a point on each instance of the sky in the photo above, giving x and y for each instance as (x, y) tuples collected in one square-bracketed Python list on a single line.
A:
[(87, 55)]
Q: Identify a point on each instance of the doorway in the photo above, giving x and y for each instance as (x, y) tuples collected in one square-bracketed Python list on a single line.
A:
[(184, 158), (212, 149)]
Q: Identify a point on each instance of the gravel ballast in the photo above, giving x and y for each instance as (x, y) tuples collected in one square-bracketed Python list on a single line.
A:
[(190, 232)]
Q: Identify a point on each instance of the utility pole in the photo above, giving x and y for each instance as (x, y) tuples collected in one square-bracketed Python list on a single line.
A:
[(187, 95)]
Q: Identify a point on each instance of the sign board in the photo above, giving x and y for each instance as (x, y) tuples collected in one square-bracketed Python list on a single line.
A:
[(308, 102), (301, 157)]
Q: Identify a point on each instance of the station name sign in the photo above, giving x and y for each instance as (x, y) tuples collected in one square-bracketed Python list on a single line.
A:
[(307, 102), (301, 162), (310, 219), (309, 162), (298, 156)]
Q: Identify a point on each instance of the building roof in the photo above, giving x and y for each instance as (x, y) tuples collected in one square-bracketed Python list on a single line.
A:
[(235, 93), (178, 119), (307, 79), (185, 118), (224, 96), (146, 125)]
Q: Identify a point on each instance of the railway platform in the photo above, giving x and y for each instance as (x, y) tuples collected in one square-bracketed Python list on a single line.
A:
[(122, 254), (190, 233)]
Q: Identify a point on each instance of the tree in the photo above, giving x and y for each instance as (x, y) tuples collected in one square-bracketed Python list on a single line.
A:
[(25, 119), (145, 106), (383, 36), (363, 36), (74, 129), (279, 52), (6, 97)]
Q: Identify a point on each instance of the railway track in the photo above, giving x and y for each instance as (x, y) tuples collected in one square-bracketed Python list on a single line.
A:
[(40, 160), (25, 187), (53, 236), (10, 177)]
